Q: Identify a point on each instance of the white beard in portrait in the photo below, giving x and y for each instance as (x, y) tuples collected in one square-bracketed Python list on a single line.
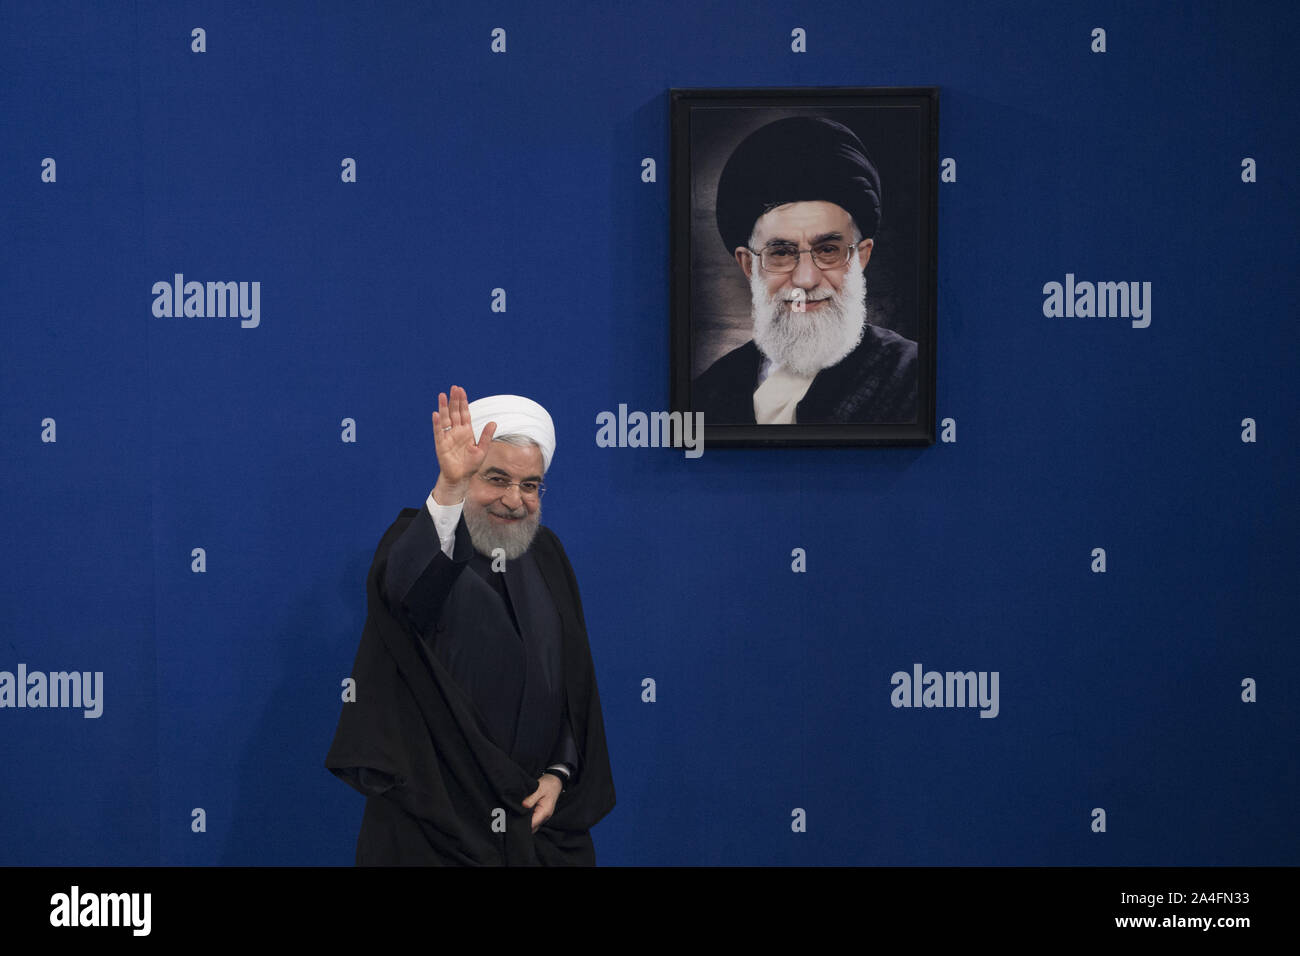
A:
[(807, 342)]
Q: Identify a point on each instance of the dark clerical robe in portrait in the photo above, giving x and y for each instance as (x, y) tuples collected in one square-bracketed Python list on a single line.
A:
[(876, 383), (469, 683)]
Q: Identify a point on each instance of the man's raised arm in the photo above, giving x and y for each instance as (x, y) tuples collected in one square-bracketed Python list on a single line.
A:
[(425, 561)]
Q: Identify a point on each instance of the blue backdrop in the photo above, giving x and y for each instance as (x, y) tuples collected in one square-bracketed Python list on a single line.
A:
[(132, 439)]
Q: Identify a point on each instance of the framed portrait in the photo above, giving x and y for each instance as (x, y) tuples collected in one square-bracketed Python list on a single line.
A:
[(804, 265)]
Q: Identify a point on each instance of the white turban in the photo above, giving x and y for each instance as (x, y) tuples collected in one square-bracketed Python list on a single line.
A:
[(515, 415)]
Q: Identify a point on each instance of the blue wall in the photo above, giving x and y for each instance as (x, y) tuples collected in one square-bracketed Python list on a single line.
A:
[(1119, 690)]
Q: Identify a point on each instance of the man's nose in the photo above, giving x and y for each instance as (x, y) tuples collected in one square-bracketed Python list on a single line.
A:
[(513, 498), (806, 274)]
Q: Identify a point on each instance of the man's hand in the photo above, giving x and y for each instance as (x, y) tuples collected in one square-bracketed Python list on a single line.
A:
[(459, 456), (542, 800)]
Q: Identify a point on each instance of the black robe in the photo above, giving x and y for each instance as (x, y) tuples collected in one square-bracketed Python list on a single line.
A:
[(875, 383), (431, 764)]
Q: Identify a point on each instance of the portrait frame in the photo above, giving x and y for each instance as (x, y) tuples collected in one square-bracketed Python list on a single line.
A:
[(711, 297)]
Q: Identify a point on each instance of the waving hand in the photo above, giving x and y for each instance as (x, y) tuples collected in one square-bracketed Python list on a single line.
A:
[(459, 456)]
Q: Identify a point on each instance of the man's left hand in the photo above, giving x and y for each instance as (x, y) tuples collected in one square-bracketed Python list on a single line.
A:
[(542, 800)]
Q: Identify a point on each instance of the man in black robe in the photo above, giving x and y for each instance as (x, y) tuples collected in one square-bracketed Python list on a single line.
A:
[(476, 734), (798, 206)]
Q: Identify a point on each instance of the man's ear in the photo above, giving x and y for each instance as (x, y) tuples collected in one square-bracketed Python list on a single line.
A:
[(745, 259), (864, 251)]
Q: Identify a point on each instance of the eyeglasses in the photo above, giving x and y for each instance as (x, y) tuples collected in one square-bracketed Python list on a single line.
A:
[(532, 490), (781, 257)]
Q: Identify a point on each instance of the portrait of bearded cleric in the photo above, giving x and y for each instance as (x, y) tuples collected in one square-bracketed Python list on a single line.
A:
[(807, 298)]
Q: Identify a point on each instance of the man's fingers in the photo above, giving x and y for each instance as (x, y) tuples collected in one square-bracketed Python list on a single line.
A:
[(453, 405), (541, 813), (453, 409), (489, 430), (441, 419)]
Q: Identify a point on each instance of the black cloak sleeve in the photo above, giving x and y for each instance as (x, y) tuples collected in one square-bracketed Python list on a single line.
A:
[(433, 780)]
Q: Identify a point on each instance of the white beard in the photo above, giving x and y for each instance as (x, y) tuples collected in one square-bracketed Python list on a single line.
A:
[(514, 539), (807, 342)]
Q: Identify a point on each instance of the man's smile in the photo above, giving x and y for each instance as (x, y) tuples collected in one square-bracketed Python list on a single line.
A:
[(809, 305)]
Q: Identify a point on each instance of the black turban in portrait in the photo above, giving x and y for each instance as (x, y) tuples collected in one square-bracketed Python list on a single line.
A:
[(798, 159)]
